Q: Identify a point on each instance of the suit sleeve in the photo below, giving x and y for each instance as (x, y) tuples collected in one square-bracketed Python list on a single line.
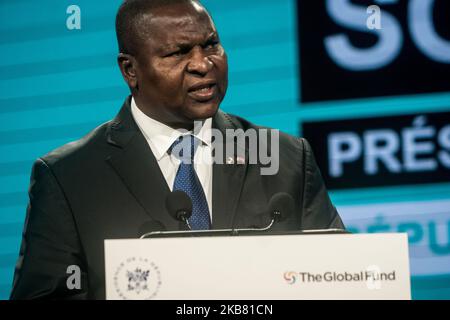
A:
[(318, 211), (50, 244)]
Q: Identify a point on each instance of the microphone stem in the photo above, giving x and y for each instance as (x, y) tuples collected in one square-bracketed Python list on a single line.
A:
[(232, 232), (186, 221), (256, 229)]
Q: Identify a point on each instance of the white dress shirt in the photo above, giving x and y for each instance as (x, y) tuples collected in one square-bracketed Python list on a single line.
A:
[(160, 137)]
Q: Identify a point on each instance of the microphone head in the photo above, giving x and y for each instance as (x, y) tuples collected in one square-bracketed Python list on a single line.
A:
[(281, 206), (179, 205), (151, 226)]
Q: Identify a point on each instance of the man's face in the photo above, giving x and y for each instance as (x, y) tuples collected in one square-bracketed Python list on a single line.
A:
[(182, 72)]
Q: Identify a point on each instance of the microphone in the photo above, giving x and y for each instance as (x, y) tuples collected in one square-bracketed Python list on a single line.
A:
[(179, 205), (281, 207)]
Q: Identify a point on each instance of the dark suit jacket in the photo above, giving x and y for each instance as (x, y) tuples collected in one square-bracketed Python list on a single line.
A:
[(108, 184)]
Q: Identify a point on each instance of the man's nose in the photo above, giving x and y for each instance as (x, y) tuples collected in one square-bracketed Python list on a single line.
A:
[(199, 63)]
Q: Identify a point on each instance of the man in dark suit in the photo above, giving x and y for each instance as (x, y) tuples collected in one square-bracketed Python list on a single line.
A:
[(116, 179)]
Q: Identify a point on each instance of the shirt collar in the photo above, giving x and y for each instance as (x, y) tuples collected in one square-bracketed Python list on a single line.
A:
[(160, 136)]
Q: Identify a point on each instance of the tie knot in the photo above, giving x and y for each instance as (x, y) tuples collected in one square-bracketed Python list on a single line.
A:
[(184, 148)]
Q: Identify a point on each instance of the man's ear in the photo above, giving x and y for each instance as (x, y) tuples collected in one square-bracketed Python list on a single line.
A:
[(128, 67)]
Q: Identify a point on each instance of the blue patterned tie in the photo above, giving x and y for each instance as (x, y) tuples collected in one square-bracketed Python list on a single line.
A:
[(187, 180)]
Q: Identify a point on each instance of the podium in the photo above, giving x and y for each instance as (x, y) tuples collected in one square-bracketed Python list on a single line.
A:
[(290, 265)]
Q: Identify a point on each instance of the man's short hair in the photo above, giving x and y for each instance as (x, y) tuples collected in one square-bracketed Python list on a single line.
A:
[(130, 22)]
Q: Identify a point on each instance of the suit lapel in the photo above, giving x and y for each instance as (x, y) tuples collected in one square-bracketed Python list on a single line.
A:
[(136, 165), (228, 178)]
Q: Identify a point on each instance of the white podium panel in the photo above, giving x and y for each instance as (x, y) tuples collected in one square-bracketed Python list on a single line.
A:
[(337, 266)]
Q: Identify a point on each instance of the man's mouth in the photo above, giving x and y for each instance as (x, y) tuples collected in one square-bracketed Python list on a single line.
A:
[(203, 91)]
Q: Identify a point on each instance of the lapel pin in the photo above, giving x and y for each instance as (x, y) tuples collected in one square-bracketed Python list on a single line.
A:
[(230, 160), (240, 160)]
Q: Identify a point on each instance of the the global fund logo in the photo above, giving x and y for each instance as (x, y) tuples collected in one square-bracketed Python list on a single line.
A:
[(372, 277)]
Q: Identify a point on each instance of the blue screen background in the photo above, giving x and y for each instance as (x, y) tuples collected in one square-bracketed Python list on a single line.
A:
[(57, 84)]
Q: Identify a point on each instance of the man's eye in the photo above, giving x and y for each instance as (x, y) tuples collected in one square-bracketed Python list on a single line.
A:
[(178, 53), (175, 54), (212, 44)]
